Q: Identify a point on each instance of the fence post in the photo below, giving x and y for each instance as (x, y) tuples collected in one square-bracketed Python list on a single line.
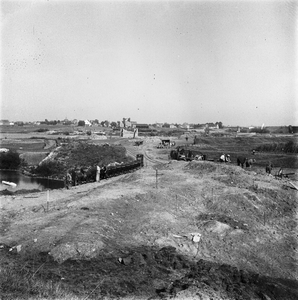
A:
[(48, 199)]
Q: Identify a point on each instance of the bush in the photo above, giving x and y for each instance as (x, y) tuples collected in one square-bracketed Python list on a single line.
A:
[(259, 130), (10, 160), (42, 130), (49, 168)]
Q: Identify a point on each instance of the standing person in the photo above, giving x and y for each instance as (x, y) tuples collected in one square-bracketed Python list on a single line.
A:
[(104, 172), (97, 173), (67, 180), (74, 176), (269, 168)]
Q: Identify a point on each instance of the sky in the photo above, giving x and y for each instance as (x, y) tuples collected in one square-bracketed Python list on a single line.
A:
[(233, 62)]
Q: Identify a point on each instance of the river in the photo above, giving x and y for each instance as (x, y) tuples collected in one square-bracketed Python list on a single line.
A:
[(27, 183)]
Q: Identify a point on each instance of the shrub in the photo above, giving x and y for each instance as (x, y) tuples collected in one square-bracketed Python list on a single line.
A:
[(49, 168), (259, 130), (42, 130), (10, 160)]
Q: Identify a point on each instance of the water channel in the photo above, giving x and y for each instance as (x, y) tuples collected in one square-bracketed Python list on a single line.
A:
[(27, 183)]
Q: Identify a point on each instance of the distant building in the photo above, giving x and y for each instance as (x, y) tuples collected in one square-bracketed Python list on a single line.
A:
[(4, 122), (133, 124), (142, 126), (19, 123), (185, 126), (127, 124), (129, 134), (88, 123)]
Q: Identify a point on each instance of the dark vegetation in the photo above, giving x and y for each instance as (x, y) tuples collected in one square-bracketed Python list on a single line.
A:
[(259, 130), (288, 147), (39, 276), (49, 168), (10, 160), (80, 154), (42, 130)]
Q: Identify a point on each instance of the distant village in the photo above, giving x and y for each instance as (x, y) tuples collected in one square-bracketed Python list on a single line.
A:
[(127, 125)]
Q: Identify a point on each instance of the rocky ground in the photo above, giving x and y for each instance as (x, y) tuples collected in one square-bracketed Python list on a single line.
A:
[(179, 230)]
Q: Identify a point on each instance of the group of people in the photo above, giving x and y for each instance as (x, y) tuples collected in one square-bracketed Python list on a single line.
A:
[(77, 175), (248, 162)]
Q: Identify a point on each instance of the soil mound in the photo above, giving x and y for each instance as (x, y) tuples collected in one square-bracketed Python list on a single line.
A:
[(151, 271)]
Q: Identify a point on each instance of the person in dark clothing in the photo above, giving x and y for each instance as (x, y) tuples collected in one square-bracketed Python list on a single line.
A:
[(104, 172), (74, 177)]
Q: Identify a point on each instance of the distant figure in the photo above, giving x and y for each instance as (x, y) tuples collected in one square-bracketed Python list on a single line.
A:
[(97, 173), (199, 157), (280, 173), (249, 162), (269, 168), (225, 158), (241, 160), (74, 177), (67, 180), (104, 172), (253, 152)]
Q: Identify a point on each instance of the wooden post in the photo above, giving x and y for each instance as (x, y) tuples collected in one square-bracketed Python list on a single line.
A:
[(48, 195), (48, 199)]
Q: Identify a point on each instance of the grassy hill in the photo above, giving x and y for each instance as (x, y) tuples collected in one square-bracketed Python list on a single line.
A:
[(81, 154)]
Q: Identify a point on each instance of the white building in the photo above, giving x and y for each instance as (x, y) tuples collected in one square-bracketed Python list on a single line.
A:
[(88, 123)]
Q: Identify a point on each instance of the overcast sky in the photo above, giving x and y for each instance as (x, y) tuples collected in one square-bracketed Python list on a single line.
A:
[(157, 61)]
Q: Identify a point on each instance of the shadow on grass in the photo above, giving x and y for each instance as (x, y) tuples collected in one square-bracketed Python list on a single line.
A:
[(144, 272)]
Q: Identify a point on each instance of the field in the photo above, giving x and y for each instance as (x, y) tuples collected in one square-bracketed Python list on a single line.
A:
[(171, 230)]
